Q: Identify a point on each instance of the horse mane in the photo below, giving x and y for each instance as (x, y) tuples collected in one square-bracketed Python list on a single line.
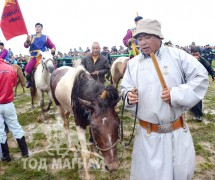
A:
[(112, 96), (85, 87)]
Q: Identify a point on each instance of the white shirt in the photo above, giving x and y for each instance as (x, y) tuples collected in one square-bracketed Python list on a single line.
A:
[(187, 78)]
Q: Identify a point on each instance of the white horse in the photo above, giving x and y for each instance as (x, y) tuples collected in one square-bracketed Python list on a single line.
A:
[(41, 83), (117, 70)]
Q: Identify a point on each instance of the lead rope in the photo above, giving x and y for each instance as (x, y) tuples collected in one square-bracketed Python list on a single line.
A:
[(121, 124), (135, 119)]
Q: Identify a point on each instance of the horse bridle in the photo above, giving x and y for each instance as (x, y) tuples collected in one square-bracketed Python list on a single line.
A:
[(96, 144), (44, 64), (120, 137)]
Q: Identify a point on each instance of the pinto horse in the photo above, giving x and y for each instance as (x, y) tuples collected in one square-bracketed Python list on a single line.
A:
[(21, 78), (75, 91), (41, 83), (117, 70)]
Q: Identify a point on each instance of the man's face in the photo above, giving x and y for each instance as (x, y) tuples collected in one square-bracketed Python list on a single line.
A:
[(95, 49), (1, 47), (196, 55), (148, 43), (38, 29)]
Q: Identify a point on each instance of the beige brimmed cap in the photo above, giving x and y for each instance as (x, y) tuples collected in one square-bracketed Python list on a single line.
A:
[(148, 26)]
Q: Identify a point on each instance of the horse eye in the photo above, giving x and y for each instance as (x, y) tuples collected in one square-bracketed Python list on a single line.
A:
[(93, 127)]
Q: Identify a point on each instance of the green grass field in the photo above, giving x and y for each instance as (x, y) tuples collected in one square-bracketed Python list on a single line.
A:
[(50, 158)]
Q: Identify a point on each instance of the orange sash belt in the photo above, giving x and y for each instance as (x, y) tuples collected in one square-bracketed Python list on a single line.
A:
[(163, 128), (38, 60)]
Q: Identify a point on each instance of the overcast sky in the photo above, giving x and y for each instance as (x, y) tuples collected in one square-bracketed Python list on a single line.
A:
[(74, 23)]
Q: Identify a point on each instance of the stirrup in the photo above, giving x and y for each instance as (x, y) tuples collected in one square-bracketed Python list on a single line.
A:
[(28, 84)]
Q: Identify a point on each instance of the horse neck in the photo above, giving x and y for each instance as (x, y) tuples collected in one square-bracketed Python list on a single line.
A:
[(86, 88), (45, 74), (91, 89)]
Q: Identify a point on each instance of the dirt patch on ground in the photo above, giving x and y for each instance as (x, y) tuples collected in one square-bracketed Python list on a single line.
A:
[(209, 147), (199, 160)]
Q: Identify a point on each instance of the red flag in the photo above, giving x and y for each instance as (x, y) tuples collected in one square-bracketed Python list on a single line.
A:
[(12, 22)]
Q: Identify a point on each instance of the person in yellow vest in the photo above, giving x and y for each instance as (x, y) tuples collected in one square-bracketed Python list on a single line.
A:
[(128, 39), (96, 64)]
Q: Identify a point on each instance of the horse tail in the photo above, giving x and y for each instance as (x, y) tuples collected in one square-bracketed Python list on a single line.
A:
[(33, 87)]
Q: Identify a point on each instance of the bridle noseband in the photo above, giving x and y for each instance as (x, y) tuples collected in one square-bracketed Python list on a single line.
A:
[(96, 144)]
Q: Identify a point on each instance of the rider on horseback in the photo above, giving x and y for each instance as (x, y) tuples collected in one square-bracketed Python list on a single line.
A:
[(37, 43), (131, 42), (4, 53)]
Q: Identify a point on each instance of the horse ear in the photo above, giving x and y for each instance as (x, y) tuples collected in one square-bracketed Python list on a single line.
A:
[(85, 102)]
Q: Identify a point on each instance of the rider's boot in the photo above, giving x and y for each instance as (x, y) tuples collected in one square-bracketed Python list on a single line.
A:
[(28, 82), (5, 152), (23, 146)]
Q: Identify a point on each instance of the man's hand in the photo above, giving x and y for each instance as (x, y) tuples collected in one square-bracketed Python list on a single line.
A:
[(28, 40), (213, 78), (95, 73), (131, 40), (132, 96), (53, 51), (166, 95)]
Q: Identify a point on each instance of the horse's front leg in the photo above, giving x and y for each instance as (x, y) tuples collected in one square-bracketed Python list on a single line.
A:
[(50, 100), (16, 87), (41, 118), (23, 88), (32, 97), (84, 151), (42, 103), (65, 116)]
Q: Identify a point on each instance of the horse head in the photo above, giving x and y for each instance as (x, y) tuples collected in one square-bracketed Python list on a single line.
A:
[(104, 124), (47, 64)]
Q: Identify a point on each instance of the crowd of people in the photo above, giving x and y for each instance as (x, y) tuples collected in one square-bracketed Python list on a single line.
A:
[(206, 51)]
